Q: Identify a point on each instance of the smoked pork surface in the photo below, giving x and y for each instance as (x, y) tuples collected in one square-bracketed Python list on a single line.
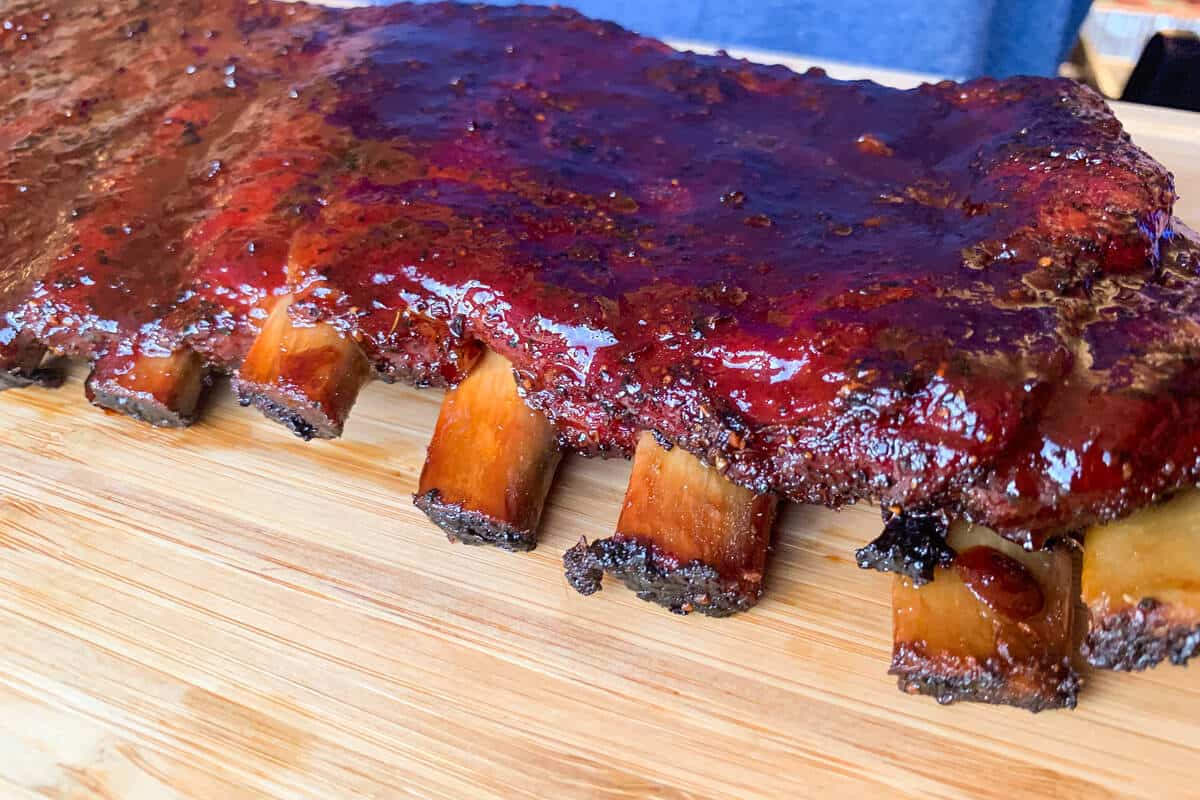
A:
[(953, 298)]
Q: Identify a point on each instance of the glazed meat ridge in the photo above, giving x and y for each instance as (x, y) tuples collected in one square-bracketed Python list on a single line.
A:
[(963, 301), (942, 297)]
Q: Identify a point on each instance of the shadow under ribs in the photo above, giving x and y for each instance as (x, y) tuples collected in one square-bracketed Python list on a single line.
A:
[(1141, 585), (21, 362), (304, 376), (490, 463), (165, 391), (687, 538), (995, 627)]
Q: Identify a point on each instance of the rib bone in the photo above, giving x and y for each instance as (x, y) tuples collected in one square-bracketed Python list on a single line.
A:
[(490, 462), (305, 376), (687, 538), (162, 390), (1141, 584), (1001, 635)]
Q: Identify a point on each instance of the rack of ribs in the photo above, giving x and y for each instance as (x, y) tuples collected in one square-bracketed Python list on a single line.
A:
[(968, 303)]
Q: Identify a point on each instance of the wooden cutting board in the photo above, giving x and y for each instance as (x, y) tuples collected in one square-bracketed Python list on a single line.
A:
[(228, 612)]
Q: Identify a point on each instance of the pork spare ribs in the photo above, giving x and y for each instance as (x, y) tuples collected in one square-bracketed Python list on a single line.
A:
[(968, 303)]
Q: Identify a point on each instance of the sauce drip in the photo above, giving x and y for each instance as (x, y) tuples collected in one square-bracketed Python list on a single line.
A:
[(1000, 582)]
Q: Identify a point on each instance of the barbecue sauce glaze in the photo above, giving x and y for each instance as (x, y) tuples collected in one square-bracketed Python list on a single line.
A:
[(952, 297)]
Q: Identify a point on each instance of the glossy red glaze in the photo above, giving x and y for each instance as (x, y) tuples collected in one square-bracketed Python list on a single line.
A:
[(946, 296), (1000, 582)]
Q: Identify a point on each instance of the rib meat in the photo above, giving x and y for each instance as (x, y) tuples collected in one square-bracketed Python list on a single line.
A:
[(948, 298)]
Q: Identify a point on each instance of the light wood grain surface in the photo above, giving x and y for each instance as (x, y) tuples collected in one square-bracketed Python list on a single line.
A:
[(228, 612)]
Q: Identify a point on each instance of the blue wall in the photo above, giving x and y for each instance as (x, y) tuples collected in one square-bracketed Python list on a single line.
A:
[(956, 38)]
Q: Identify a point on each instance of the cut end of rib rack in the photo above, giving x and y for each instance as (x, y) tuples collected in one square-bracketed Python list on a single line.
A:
[(490, 462), (996, 627), (21, 362), (687, 539), (1141, 585), (304, 376), (164, 391)]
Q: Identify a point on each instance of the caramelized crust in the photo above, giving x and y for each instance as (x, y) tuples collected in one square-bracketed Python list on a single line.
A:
[(1141, 585), (953, 645), (687, 538), (306, 376), (162, 390), (490, 463)]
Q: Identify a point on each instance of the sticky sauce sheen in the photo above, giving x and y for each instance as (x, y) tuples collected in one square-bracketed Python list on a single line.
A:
[(835, 290), (1000, 582)]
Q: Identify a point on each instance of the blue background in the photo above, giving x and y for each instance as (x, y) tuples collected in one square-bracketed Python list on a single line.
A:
[(953, 38)]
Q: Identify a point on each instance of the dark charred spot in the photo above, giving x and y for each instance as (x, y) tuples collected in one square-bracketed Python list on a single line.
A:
[(135, 29), (473, 527), (912, 544), (681, 588), (1138, 638), (190, 136)]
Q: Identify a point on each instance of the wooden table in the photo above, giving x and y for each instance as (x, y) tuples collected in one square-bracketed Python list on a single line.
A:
[(227, 612)]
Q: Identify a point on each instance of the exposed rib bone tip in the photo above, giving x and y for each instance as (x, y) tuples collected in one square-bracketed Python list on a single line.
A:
[(165, 391), (688, 538), (304, 376), (1139, 580), (997, 626), (490, 462)]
